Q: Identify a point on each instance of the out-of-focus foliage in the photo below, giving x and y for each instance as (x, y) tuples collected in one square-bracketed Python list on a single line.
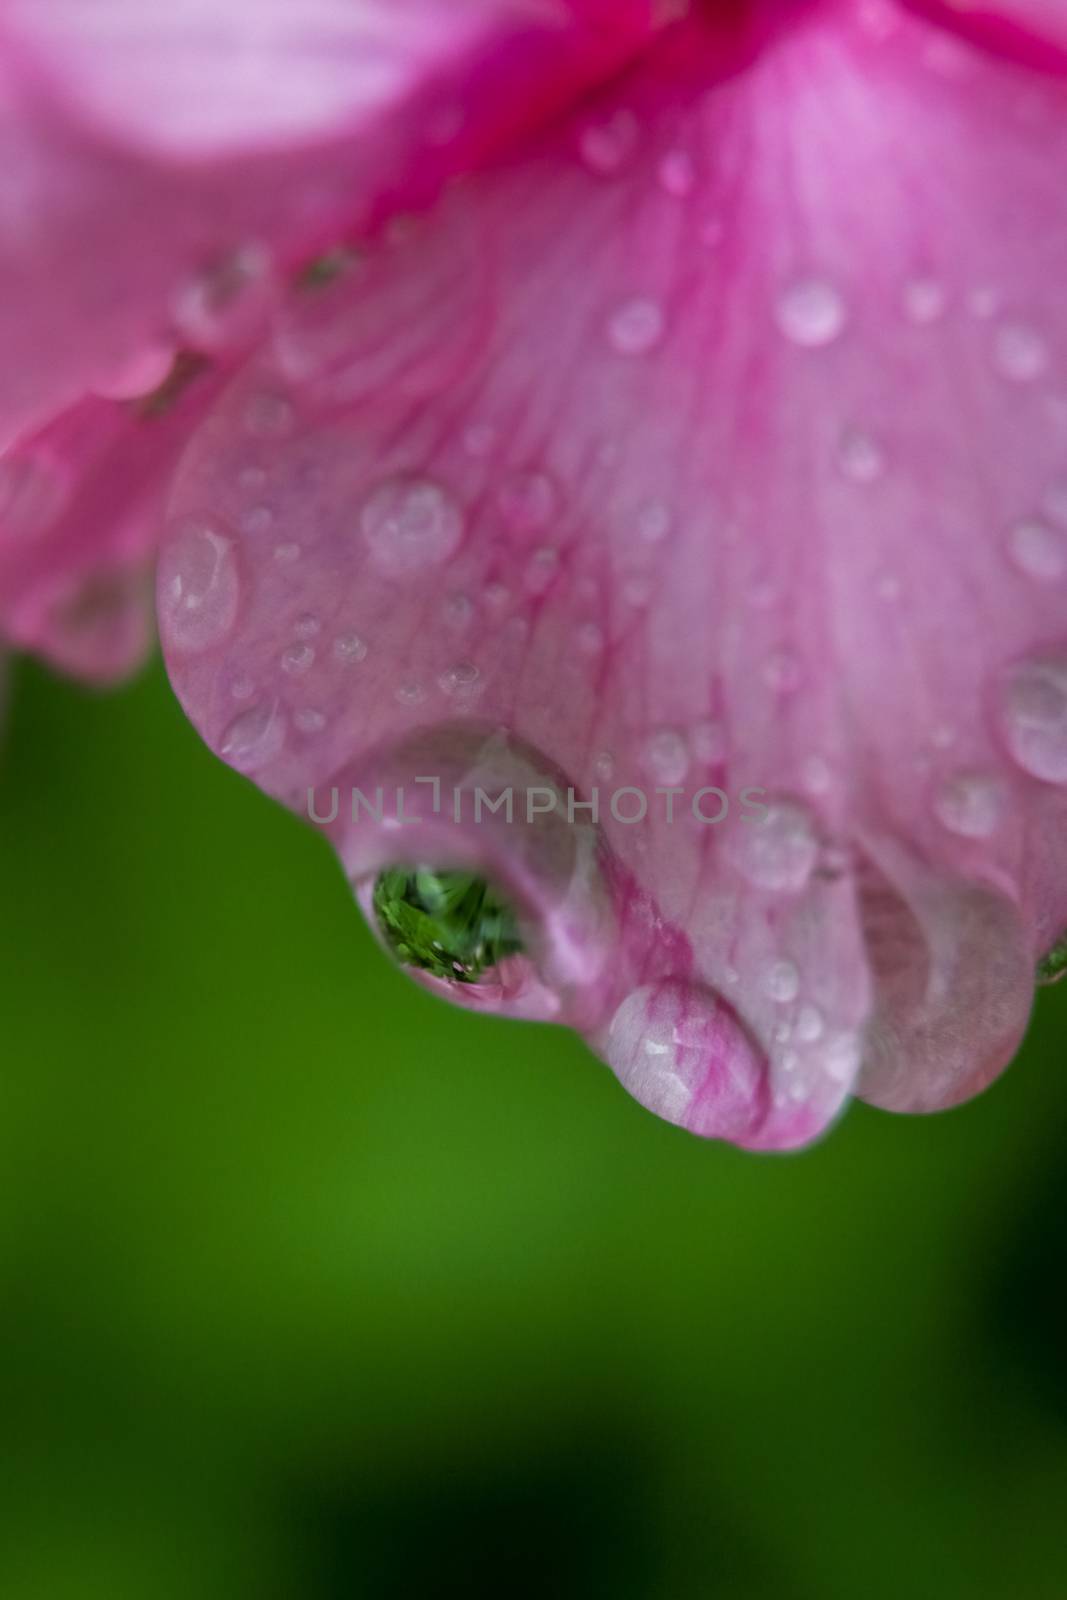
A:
[(313, 1287)]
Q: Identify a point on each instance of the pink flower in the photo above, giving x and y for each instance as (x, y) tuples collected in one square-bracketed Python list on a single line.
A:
[(689, 477)]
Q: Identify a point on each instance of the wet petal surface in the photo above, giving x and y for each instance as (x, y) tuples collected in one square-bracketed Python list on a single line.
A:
[(715, 447)]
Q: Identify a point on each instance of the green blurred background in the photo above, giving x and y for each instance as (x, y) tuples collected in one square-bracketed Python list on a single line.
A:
[(313, 1287)]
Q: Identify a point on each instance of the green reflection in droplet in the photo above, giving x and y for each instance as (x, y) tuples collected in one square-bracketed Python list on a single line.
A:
[(453, 925)]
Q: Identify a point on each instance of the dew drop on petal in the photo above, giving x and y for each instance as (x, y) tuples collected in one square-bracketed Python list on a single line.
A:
[(924, 300), (462, 681), (268, 416), (667, 756), (198, 586), (970, 805), (296, 659), (608, 145), (677, 174), (636, 327), (1032, 709), (860, 457), (254, 737), (349, 648), (782, 981), (779, 849), (809, 1024), (528, 501), (223, 304), (1020, 354), (287, 552), (411, 523), (1038, 550), (811, 313)]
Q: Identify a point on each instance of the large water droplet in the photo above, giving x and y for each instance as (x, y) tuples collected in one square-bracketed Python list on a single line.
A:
[(198, 586), (1032, 706), (1038, 550), (811, 313), (681, 1052), (778, 850), (255, 737), (411, 523), (349, 648), (636, 327)]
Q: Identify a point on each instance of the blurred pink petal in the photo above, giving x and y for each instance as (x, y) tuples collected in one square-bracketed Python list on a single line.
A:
[(716, 439), (164, 165)]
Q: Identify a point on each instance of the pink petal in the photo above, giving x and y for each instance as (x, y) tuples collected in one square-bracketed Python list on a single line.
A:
[(165, 165), (717, 439), (1034, 29), (80, 507)]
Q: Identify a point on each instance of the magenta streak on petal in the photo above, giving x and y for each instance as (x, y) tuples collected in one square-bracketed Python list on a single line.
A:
[(709, 471)]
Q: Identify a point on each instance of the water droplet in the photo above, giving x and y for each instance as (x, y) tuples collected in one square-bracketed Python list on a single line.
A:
[(198, 586), (528, 501), (590, 638), (970, 805), (779, 850), (461, 681), (255, 737), (811, 313), (636, 327), (782, 981), (1038, 550), (925, 301), (410, 694), (309, 720), (860, 457), (257, 519), (1032, 705), (349, 648), (606, 146), (242, 687), (296, 659), (268, 416), (667, 756), (224, 305), (541, 569), (677, 174), (1020, 354), (32, 494), (409, 524), (809, 1024), (496, 596), (288, 552), (307, 626), (604, 766), (816, 775), (654, 521)]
